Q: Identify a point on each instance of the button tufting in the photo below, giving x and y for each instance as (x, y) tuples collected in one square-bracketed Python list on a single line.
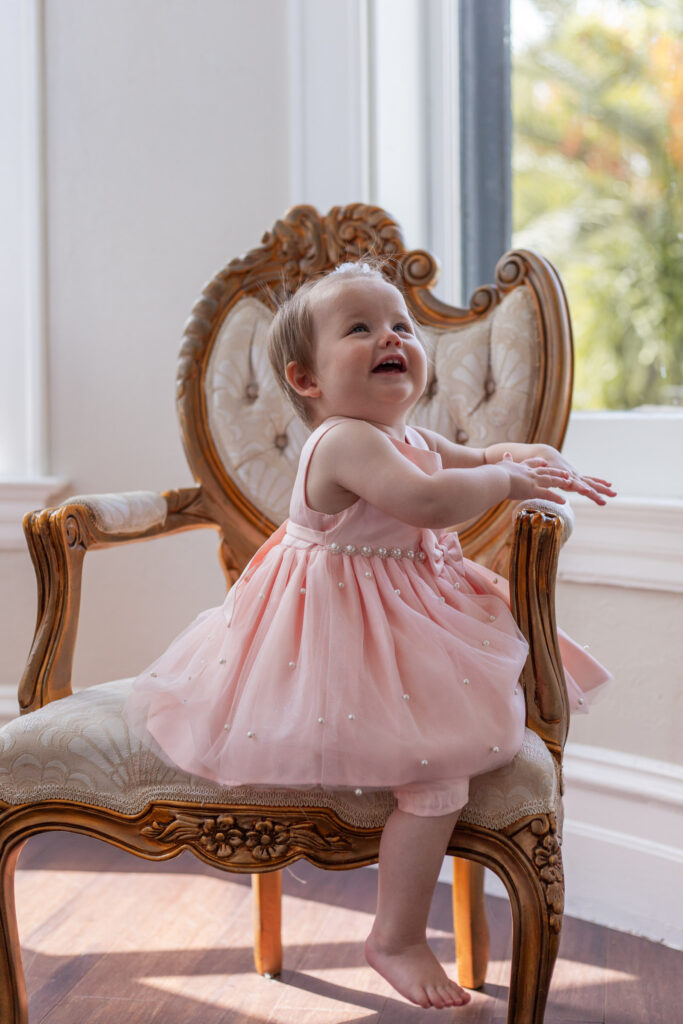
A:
[(281, 441)]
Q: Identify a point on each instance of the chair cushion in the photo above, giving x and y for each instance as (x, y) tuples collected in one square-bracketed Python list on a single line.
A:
[(80, 748)]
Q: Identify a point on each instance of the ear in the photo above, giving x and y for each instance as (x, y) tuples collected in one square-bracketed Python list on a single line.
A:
[(302, 381)]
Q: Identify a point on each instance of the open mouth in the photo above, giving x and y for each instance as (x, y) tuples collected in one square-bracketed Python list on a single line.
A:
[(392, 364)]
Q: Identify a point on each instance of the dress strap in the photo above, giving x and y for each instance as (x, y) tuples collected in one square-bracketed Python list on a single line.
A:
[(416, 440)]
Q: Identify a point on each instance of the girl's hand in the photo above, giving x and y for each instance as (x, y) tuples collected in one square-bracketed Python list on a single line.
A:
[(533, 478), (592, 487)]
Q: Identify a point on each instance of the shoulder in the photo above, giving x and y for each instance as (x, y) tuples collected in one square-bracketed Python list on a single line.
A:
[(349, 436)]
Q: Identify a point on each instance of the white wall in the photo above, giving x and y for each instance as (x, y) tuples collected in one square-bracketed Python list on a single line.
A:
[(167, 155)]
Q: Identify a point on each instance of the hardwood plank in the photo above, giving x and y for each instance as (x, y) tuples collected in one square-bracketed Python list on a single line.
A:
[(645, 981), (577, 989)]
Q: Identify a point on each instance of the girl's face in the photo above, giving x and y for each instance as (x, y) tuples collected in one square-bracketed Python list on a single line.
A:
[(368, 363)]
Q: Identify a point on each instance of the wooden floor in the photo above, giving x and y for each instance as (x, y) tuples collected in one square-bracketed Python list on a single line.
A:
[(109, 938)]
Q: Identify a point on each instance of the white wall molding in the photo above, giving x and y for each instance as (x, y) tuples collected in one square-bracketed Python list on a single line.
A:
[(19, 497), (329, 127), (622, 843), (23, 248), (630, 542)]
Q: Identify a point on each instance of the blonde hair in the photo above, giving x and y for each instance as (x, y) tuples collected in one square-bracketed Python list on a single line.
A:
[(290, 338)]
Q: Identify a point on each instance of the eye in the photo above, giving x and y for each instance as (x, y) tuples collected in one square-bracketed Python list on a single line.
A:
[(359, 328), (403, 328)]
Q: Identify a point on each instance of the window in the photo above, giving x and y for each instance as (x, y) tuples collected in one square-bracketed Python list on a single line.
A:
[(597, 89)]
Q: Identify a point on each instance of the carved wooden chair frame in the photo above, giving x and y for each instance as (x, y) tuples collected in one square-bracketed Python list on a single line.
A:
[(526, 854)]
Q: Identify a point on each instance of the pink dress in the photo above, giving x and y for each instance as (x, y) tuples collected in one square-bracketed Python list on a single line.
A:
[(355, 652)]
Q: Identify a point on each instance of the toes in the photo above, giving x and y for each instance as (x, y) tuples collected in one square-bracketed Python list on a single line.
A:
[(421, 998), (456, 995), (435, 996)]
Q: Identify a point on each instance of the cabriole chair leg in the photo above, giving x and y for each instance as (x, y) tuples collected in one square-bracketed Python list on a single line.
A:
[(470, 924), (536, 890), (13, 1002), (267, 896)]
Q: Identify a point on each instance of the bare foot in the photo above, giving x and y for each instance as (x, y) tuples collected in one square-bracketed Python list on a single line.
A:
[(415, 972)]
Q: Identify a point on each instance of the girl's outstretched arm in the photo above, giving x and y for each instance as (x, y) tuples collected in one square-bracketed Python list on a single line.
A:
[(356, 459), (458, 456)]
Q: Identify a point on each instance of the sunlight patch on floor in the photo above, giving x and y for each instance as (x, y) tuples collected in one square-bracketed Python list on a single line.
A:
[(590, 975), (225, 991)]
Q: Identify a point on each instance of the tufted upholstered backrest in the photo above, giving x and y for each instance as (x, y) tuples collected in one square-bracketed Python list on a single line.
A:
[(501, 369)]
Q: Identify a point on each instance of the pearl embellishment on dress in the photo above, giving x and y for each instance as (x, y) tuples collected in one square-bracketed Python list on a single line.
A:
[(492, 618), (424, 762), (366, 550), (291, 664), (320, 720), (340, 585), (396, 590), (581, 700), (302, 590), (495, 749), (153, 675), (351, 717), (226, 726), (382, 552), (406, 696), (396, 553), (358, 792), (335, 549), (369, 575), (221, 661), (486, 643), (251, 734), (466, 682)]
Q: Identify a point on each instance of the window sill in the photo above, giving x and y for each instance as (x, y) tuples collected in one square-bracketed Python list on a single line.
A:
[(17, 497), (638, 450)]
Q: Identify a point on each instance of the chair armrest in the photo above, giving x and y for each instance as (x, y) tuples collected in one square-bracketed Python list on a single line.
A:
[(58, 539), (540, 529)]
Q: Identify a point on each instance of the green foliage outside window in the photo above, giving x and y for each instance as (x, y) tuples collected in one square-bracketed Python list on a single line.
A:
[(598, 184)]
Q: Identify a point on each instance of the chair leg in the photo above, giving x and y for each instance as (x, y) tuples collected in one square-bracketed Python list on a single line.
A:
[(13, 1002), (267, 894), (537, 903), (471, 928)]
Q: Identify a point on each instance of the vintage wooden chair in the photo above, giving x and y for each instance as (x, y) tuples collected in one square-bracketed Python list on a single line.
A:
[(502, 370)]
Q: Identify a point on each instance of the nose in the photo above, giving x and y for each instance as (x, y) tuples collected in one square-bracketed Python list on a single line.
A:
[(392, 338)]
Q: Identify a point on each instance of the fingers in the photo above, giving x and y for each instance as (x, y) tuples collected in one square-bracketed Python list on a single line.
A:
[(598, 480), (600, 485)]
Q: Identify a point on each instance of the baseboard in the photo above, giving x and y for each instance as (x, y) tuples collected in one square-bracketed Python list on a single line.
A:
[(622, 843)]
